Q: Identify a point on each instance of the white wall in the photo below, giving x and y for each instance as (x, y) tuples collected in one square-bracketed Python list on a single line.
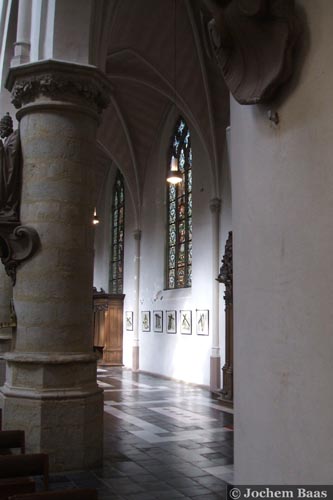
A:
[(282, 188), (180, 356)]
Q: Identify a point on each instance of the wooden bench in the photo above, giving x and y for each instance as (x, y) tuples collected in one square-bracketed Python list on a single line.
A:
[(72, 494), (16, 486), (12, 439), (36, 464)]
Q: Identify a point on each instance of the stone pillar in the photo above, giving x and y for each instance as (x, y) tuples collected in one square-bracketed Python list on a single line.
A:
[(22, 44), (215, 358), (135, 354), (5, 333), (51, 389)]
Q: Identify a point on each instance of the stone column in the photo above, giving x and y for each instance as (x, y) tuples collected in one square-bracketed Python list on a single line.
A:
[(51, 389), (5, 333), (215, 358), (135, 355), (22, 44)]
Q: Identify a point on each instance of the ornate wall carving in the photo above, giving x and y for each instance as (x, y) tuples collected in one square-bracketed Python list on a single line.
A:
[(253, 41), (17, 243), (226, 277), (226, 272), (59, 81)]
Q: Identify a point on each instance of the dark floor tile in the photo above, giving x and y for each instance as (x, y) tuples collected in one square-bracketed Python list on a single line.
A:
[(197, 492), (134, 469), (211, 496), (123, 486), (128, 468), (181, 482)]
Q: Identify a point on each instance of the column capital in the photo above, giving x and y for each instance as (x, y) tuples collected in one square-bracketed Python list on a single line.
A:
[(215, 205), (62, 82)]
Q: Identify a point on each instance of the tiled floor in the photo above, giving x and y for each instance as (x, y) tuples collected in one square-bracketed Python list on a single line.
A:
[(162, 440)]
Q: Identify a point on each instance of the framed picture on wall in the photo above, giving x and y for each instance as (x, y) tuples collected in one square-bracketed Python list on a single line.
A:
[(129, 320), (202, 322), (186, 322), (145, 321), (158, 321), (171, 322)]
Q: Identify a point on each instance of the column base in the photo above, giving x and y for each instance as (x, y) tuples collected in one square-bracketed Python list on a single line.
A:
[(215, 373), (135, 358), (59, 406)]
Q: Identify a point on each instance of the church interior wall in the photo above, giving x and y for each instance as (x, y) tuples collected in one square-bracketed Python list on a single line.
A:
[(179, 356), (282, 182)]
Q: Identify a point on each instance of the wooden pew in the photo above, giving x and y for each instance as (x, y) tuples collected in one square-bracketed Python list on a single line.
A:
[(12, 439), (35, 464), (16, 486), (72, 494)]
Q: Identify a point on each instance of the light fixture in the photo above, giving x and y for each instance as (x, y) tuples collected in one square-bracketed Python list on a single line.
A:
[(174, 176), (95, 218)]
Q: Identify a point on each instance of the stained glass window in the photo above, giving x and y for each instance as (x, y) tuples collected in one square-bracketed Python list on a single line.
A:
[(179, 203), (117, 236)]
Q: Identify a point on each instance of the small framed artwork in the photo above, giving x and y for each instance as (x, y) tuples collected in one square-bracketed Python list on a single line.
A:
[(158, 321), (129, 320), (145, 321), (202, 322), (186, 322), (171, 322)]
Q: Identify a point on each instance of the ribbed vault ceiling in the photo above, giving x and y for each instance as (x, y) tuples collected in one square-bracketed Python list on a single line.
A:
[(153, 57)]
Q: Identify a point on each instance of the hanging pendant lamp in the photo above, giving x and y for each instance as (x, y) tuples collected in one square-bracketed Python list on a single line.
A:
[(174, 176)]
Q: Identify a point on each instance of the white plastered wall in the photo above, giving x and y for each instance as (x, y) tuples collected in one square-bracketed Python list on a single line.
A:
[(179, 356), (282, 188)]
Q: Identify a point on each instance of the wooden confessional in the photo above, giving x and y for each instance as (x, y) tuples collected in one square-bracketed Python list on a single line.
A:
[(108, 327)]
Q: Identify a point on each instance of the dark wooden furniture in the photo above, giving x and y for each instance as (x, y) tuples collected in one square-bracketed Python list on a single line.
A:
[(108, 326), (226, 277), (12, 439), (73, 494), (35, 464), (16, 486)]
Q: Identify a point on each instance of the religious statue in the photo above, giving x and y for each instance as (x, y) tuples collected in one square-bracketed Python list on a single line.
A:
[(17, 243), (10, 171)]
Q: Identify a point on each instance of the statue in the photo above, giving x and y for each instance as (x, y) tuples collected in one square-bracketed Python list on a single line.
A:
[(10, 171), (254, 42), (17, 243)]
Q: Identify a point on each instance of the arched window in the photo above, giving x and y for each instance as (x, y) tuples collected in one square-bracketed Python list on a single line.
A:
[(179, 203), (117, 236)]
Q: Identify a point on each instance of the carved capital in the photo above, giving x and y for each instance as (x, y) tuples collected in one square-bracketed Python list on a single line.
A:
[(253, 41), (59, 81), (17, 244), (226, 271)]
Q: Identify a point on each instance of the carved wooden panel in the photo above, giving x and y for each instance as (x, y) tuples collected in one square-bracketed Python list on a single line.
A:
[(108, 326), (113, 350), (226, 277)]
